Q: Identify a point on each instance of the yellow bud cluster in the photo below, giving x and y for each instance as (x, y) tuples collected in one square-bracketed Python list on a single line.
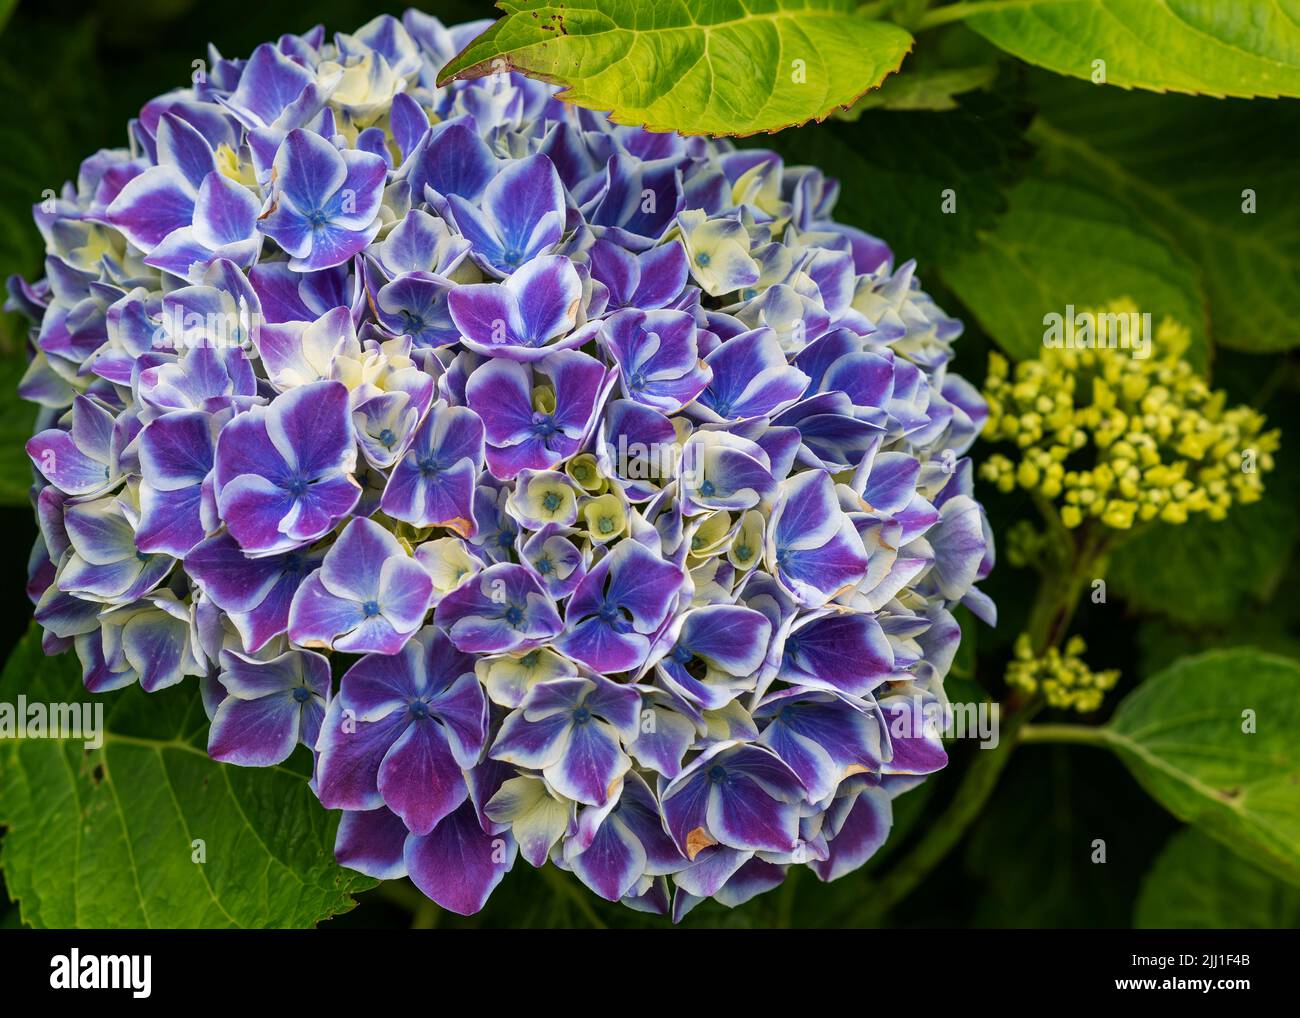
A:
[(1124, 439), (1063, 677)]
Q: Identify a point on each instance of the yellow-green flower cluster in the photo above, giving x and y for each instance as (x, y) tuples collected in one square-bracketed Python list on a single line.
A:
[(1063, 677), (1121, 438)]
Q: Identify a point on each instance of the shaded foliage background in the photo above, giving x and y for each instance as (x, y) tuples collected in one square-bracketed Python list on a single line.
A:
[(1140, 190)]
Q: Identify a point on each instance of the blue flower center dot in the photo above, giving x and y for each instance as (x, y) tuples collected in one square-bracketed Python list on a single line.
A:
[(707, 489), (581, 716), (370, 609), (717, 773), (514, 615), (419, 710), (387, 437), (296, 486), (551, 501), (302, 694), (702, 259)]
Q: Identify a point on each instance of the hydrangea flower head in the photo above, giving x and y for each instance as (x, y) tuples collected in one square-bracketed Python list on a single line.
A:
[(569, 492)]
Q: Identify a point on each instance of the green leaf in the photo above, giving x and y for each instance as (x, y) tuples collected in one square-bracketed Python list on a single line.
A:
[(53, 77), (107, 837), (1244, 48), (718, 67), (1181, 734), (1140, 148), (1029, 859), (1061, 244), (1196, 883), (924, 90), (17, 417), (895, 167), (1208, 571)]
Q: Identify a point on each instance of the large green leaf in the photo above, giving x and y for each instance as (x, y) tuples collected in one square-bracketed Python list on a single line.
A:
[(17, 418), (1237, 48), (925, 90), (1183, 734), (54, 78), (1196, 883), (895, 169), (1030, 859), (719, 67), (108, 837), (1061, 244), (1141, 148), (1206, 570)]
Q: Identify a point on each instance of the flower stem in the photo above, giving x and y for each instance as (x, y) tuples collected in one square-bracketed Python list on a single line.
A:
[(968, 801), (1049, 620), (1058, 596), (1082, 735)]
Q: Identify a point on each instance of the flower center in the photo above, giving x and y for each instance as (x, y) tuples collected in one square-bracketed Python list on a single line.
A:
[(370, 609), (302, 694), (581, 716)]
